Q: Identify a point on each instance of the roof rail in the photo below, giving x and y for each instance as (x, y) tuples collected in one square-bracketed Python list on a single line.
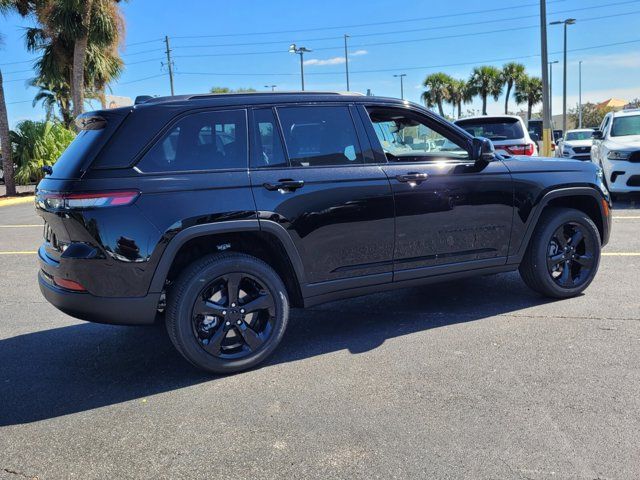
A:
[(306, 92)]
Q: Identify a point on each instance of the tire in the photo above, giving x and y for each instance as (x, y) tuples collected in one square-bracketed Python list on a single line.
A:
[(211, 333), (553, 269)]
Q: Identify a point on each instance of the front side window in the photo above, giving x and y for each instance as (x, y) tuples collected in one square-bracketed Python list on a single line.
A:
[(320, 136), (405, 136), (625, 126), (200, 141)]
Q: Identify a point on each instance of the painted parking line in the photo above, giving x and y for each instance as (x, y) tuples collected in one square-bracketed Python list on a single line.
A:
[(19, 252), (35, 225), (626, 217)]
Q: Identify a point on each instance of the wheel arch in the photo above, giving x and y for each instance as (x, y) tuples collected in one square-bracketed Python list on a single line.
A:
[(270, 243), (585, 199)]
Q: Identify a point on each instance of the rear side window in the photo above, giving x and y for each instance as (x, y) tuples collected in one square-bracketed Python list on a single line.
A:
[(268, 151), (200, 141), (495, 129), (69, 163), (320, 136)]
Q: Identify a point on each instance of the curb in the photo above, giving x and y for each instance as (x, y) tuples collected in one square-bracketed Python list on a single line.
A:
[(5, 202)]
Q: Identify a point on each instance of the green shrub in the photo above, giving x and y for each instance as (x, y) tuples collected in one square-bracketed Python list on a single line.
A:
[(36, 144)]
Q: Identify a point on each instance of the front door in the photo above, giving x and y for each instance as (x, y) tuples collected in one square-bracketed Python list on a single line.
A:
[(310, 175), (450, 211)]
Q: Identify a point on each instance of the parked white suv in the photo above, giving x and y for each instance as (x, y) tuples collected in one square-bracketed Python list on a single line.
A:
[(507, 132), (576, 144), (616, 148)]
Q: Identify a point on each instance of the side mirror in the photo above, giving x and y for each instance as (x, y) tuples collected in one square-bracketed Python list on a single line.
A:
[(483, 150), (597, 134)]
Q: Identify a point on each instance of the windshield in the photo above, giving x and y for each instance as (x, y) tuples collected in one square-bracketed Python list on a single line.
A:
[(625, 126), (495, 129), (578, 135)]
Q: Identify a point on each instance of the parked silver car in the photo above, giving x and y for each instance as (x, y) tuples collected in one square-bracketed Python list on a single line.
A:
[(576, 144)]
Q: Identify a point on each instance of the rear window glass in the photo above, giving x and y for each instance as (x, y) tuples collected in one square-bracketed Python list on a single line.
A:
[(493, 128), (201, 141), (71, 160)]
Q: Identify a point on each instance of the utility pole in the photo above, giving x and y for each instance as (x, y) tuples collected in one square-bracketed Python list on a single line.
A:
[(546, 117), (551, 64), (580, 94), (169, 63), (346, 59), (568, 21), (401, 76)]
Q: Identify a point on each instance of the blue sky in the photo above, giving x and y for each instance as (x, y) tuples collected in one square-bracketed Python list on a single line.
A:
[(225, 44)]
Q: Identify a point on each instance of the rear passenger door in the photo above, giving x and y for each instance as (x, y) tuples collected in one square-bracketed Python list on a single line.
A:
[(311, 175)]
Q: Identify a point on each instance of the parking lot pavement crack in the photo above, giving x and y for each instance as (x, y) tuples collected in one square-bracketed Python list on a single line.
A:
[(19, 474), (571, 317)]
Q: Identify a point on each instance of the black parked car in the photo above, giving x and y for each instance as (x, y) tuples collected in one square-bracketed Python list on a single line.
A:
[(220, 212)]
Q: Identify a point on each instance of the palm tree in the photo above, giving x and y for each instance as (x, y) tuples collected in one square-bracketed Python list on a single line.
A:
[(5, 142), (529, 90), (511, 73), (78, 42), (437, 90), (485, 81), (459, 93)]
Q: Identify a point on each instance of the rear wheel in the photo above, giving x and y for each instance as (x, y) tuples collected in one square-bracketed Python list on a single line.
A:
[(227, 312), (563, 255)]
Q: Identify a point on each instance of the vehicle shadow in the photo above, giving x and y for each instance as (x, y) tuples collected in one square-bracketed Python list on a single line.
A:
[(80, 367)]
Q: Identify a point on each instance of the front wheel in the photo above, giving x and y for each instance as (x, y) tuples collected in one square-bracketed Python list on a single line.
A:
[(227, 312), (563, 255)]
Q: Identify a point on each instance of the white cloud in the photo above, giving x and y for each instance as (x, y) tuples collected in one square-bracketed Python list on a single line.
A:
[(334, 60), (619, 60), (328, 61)]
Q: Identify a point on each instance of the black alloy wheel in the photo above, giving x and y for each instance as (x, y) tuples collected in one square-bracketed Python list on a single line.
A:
[(571, 255), (233, 316), (227, 312), (563, 254)]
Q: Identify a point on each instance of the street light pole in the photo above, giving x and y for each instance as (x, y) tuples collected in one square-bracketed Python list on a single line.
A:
[(401, 76), (568, 21), (346, 59), (580, 94), (300, 51), (551, 64), (546, 114)]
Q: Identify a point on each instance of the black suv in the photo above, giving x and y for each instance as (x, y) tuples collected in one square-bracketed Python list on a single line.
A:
[(217, 213)]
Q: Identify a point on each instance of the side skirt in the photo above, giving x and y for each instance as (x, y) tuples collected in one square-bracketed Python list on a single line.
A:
[(380, 287)]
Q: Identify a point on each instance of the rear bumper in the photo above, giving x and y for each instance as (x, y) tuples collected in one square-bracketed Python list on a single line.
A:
[(85, 306)]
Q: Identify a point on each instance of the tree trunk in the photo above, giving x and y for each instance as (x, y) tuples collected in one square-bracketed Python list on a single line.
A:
[(529, 110), (459, 109), (506, 99), (5, 144), (440, 110), (484, 104), (79, 57)]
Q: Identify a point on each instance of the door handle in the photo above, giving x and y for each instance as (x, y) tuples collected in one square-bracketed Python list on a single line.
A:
[(412, 177), (284, 185)]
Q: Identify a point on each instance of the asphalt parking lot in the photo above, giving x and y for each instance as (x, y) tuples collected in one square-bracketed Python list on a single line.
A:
[(475, 379)]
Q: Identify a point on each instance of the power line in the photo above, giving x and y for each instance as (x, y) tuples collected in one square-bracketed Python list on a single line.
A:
[(394, 32), (396, 42), (424, 67), (371, 24), (142, 79)]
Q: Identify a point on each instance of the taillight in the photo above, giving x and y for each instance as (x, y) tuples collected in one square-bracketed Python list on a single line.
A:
[(88, 200), (528, 149)]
